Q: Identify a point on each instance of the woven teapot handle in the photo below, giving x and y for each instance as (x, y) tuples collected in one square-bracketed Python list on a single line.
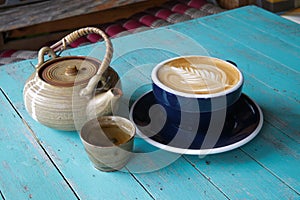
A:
[(63, 43)]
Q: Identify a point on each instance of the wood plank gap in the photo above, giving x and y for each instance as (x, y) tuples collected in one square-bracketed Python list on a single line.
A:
[(31, 63), (52, 161), (135, 178), (39, 143), (206, 177), (280, 130), (12, 105), (272, 88), (133, 66), (267, 169), (1, 194)]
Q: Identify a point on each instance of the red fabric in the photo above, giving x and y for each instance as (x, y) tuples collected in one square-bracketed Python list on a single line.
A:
[(196, 3), (163, 13), (93, 37), (79, 41), (7, 53), (160, 12), (114, 29), (132, 24), (148, 20), (180, 8)]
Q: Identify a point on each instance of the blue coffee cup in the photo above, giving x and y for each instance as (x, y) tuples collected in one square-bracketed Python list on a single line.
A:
[(190, 87)]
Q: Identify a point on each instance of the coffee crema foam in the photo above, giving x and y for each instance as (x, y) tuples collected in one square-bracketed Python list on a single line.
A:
[(198, 75)]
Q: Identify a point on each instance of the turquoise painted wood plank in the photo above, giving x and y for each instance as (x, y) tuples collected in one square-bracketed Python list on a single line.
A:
[(169, 41), (89, 183), (277, 153), (241, 178), (26, 172), (260, 41), (92, 50), (169, 175), (144, 60), (278, 110), (74, 164), (233, 168), (284, 29)]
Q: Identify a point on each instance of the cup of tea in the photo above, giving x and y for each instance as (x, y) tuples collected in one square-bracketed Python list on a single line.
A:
[(196, 85), (108, 141)]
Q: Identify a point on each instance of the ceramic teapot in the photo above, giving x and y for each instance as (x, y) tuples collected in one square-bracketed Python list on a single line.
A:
[(64, 92)]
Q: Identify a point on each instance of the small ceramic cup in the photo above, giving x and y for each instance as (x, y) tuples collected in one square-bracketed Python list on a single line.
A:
[(108, 141), (195, 85)]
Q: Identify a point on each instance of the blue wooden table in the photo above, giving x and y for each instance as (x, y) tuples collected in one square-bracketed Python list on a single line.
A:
[(37, 162)]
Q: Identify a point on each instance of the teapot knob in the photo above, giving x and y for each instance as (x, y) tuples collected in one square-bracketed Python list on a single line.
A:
[(71, 70)]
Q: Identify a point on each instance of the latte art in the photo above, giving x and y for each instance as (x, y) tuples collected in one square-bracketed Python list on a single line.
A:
[(202, 78)]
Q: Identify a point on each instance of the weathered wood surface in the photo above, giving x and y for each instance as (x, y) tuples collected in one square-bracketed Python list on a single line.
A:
[(24, 165), (33, 34), (85, 19), (51, 10), (265, 168)]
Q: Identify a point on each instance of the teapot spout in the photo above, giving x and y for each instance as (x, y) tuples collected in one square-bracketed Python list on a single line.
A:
[(104, 103)]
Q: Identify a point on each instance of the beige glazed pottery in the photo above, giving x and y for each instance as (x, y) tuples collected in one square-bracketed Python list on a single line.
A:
[(108, 142), (64, 92)]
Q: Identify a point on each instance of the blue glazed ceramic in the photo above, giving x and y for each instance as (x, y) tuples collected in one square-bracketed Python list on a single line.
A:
[(176, 102)]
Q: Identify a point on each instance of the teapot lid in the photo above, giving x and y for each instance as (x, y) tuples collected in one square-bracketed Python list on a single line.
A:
[(69, 71)]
